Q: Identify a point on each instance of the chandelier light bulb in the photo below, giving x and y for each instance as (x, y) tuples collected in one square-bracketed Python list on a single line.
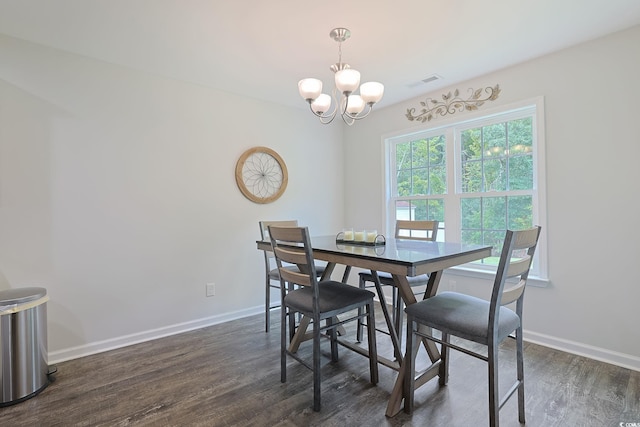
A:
[(371, 92), (355, 104), (347, 80), (321, 104), (310, 89)]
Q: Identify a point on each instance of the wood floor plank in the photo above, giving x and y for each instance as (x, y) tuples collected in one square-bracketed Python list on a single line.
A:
[(229, 375)]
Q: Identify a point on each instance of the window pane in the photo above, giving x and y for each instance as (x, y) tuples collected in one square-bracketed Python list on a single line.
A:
[(436, 209), (403, 210), (419, 154), (403, 156), (521, 172), (520, 134), (404, 183), (471, 177), (421, 167), (495, 138), (520, 212), (494, 213), (420, 179), (496, 239), (495, 176), (471, 214), (418, 210), (438, 180), (472, 237), (437, 151), (471, 144)]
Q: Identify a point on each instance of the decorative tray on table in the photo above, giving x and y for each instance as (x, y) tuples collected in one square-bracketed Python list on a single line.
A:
[(372, 239)]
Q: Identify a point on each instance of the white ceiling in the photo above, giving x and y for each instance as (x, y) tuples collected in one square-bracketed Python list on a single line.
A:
[(263, 47)]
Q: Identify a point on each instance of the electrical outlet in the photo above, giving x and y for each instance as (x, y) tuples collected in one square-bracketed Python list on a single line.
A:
[(211, 289), (452, 285)]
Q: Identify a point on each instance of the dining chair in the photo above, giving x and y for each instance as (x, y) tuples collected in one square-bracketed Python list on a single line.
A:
[(272, 277), (405, 230), (321, 301), (477, 320)]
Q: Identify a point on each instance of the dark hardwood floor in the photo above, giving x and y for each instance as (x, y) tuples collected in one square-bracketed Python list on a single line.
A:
[(229, 375)]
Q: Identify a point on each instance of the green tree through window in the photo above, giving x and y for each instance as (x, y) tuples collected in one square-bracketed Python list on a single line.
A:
[(479, 175)]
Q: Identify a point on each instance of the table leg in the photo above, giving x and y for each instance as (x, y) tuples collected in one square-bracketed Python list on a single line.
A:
[(404, 289)]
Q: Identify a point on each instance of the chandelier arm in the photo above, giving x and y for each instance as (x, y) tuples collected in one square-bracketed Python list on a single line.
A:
[(362, 116), (323, 119), (349, 120), (326, 118)]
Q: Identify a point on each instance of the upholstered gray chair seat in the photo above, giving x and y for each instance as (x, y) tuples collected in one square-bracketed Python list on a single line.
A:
[(332, 296), (462, 315)]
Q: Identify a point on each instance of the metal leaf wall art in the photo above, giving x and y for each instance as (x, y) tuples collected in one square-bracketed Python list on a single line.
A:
[(452, 103)]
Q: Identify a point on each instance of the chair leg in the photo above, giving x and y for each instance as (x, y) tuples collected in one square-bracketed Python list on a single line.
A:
[(283, 344), (292, 316), (333, 337), (361, 285), (494, 398), (520, 368), (267, 308), (371, 339), (316, 365), (443, 371), (409, 366)]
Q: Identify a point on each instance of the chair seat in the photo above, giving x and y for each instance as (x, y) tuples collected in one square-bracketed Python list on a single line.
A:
[(462, 315), (274, 275), (386, 279), (334, 296)]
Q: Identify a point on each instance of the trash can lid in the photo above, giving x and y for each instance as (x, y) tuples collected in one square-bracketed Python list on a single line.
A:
[(21, 295)]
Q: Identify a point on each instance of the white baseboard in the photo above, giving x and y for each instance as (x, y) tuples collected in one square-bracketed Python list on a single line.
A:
[(127, 340), (591, 352), (619, 359)]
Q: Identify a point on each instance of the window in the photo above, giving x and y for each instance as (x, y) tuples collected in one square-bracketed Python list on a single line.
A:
[(478, 177)]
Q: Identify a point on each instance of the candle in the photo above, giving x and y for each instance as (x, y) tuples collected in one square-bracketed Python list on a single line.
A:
[(348, 234), (359, 236), (371, 236)]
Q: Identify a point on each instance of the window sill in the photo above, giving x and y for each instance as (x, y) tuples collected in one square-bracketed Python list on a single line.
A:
[(538, 282)]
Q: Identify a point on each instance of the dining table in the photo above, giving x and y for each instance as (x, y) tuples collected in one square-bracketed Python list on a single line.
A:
[(402, 259)]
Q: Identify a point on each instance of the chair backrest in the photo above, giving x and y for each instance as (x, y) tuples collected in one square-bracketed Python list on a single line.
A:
[(264, 226), (416, 230), (515, 261), (264, 235), (292, 245)]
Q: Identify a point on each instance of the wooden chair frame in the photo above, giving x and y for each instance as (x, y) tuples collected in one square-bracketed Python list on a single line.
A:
[(512, 265), (292, 245), (271, 271)]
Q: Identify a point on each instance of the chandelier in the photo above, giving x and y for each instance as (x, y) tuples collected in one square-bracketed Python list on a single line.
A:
[(350, 105)]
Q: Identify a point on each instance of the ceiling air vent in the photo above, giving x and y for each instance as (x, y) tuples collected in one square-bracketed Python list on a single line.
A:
[(431, 78)]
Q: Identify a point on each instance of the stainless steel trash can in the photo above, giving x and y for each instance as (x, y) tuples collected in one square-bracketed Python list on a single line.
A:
[(23, 344)]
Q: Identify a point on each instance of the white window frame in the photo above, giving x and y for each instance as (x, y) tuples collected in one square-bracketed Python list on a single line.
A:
[(451, 128)]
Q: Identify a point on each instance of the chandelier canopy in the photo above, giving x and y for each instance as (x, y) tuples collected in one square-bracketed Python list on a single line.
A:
[(350, 105)]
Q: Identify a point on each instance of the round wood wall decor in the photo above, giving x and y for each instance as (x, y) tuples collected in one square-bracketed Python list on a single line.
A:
[(261, 175)]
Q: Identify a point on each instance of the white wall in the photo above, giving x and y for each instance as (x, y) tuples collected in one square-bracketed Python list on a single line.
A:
[(117, 194), (592, 106)]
